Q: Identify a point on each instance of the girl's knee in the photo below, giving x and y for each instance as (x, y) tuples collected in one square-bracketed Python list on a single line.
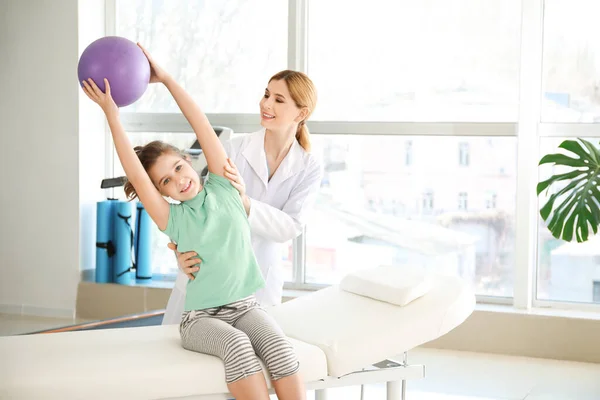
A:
[(285, 367), (280, 358), (236, 344), (239, 358)]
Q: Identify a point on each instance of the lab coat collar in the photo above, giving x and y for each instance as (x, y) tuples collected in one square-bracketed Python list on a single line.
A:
[(255, 154)]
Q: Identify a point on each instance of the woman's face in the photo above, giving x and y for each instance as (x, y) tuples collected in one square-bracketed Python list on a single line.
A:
[(277, 109)]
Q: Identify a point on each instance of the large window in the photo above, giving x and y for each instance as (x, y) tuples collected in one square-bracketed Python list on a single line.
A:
[(431, 119), (567, 271), (372, 211), (407, 60), (571, 61), (223, 52)]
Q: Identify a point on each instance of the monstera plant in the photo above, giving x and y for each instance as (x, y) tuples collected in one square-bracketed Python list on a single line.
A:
[(575, 208)]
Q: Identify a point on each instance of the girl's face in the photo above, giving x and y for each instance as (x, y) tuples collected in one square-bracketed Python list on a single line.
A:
[(277, 109), (174, 177)]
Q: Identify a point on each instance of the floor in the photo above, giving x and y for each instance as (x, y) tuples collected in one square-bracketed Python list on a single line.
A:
[(456, 375), (12, 324), (450, 375)]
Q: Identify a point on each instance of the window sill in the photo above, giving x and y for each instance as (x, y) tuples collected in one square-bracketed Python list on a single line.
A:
[(539, 311)]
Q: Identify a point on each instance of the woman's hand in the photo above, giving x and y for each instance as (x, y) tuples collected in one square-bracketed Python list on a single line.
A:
[(157, 74), (187, 262), (104, 100), (232, 173)]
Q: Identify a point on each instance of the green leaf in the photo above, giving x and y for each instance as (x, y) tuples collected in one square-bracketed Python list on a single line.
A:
[(589, 218), (557, 222), (569, 175), (594, 153), (582, 226), (561, 159), (573, 210), (545, 211), (575, 147), (569, 227), (595, 211)]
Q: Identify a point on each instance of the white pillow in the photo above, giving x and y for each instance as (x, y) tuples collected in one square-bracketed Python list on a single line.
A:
[(395, 285)]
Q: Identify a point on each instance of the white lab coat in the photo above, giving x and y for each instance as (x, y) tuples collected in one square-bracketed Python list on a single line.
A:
[(277, 212)]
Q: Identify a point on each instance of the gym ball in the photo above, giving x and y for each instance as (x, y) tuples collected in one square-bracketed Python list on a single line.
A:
[(120, 61)]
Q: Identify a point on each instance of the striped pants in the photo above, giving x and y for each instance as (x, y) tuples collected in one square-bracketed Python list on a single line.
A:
[(237, 333)]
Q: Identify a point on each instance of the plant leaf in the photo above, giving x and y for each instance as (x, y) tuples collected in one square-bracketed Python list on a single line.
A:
[(569, 175), (573, 210), (594, 153), (561, 159), (582, 226), (545, 211), (575, 147), (569, 227)]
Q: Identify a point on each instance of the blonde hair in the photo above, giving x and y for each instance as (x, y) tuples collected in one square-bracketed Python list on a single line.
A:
[(304, 94), (148, 155)]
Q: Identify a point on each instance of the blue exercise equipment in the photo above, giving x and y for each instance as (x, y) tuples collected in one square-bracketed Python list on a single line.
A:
[(105, 249), (143, 243), (121, 250)]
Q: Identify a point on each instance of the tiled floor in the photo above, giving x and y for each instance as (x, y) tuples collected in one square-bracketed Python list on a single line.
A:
[(450, 375)]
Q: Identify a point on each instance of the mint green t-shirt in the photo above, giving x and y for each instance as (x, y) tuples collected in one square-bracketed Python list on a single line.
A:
[(214, 225)]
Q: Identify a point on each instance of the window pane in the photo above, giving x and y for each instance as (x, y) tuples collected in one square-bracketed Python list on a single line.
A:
[(571, 91), (375, 209), (222, 52), (567, 271), (407, 60)]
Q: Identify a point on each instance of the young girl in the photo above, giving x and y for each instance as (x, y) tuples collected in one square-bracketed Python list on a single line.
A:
[(221, 316)]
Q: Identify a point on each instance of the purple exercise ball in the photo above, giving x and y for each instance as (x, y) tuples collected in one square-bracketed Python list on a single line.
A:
[(120, 61)]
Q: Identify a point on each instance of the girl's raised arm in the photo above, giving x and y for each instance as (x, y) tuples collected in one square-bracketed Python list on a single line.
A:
[(154, 203), (213, 150)]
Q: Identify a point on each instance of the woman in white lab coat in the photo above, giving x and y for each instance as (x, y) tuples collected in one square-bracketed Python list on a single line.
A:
[(278, 179)]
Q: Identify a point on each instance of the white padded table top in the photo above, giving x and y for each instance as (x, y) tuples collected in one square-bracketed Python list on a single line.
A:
[(356, 331), (334, 333), (127, 363)]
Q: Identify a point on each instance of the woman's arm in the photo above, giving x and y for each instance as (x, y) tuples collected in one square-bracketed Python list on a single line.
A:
[(287, 223), (156, 206), (209, 141)]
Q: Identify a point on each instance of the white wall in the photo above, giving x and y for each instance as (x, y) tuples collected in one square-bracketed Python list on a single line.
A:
[(40, 158), (92, 135)]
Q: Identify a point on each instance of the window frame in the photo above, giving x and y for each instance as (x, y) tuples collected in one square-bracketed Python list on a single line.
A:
[(527, 129), (596, 290)]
